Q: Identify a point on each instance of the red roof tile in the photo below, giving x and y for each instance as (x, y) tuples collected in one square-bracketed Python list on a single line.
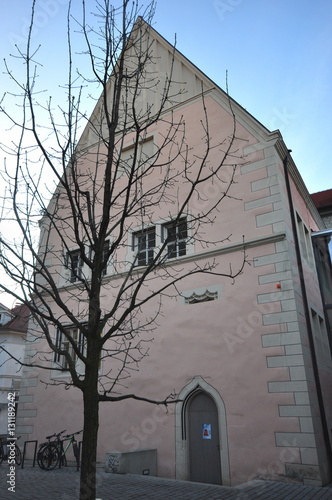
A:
[(19, 321), (323, 199)]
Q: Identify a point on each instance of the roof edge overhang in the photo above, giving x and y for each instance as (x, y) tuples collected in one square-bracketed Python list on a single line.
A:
[(284, 152)]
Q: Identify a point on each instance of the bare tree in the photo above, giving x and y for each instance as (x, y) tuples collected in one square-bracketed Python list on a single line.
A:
[(98, 232)]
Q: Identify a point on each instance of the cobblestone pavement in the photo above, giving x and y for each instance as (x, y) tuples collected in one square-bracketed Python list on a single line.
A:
[(62, 484)]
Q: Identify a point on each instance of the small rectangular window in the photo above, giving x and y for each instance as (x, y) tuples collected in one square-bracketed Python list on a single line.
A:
[(143, 244), (63, 343), (305, 241), (74, 264), (175, 234)]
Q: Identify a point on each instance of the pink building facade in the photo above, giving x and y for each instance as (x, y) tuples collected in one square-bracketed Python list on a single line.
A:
[(249, 360)]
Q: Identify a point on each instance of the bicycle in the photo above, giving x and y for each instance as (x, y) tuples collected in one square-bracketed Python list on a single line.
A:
[(54, 453), (44, 445), (10, 451)]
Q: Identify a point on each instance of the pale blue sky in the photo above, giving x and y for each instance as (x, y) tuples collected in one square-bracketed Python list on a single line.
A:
[(278, 54)]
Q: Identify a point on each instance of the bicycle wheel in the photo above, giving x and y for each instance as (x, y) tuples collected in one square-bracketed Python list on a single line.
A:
[(39, 454), (49, 457), (18, 455)]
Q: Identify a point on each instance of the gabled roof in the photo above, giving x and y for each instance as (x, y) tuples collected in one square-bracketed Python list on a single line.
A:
[(186, 74), (188, 82)]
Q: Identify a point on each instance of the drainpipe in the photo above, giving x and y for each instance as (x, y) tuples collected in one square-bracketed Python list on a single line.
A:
[(307, 317)]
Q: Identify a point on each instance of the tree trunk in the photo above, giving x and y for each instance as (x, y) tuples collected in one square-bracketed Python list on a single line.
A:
[(90, 434)]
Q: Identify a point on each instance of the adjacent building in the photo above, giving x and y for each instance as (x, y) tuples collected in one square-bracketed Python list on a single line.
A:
[(323, 202), (5, 315), (13, 330)]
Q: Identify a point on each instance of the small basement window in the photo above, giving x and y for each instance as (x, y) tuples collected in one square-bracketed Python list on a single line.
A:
[(203, 294), (205, 297)]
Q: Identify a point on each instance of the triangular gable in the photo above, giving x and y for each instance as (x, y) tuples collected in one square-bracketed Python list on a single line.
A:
[(188, 82)]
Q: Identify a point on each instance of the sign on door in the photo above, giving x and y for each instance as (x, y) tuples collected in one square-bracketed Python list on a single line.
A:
[(206, 431)]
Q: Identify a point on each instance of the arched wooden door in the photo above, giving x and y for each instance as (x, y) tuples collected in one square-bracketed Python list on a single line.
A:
[(204, 444)]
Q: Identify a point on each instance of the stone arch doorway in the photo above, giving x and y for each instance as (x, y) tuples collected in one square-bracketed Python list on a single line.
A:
[(201, 411)]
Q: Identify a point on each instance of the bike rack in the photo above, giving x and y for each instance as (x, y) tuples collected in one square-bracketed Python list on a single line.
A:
[(78, 455), (35, 442), (34, 454)]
